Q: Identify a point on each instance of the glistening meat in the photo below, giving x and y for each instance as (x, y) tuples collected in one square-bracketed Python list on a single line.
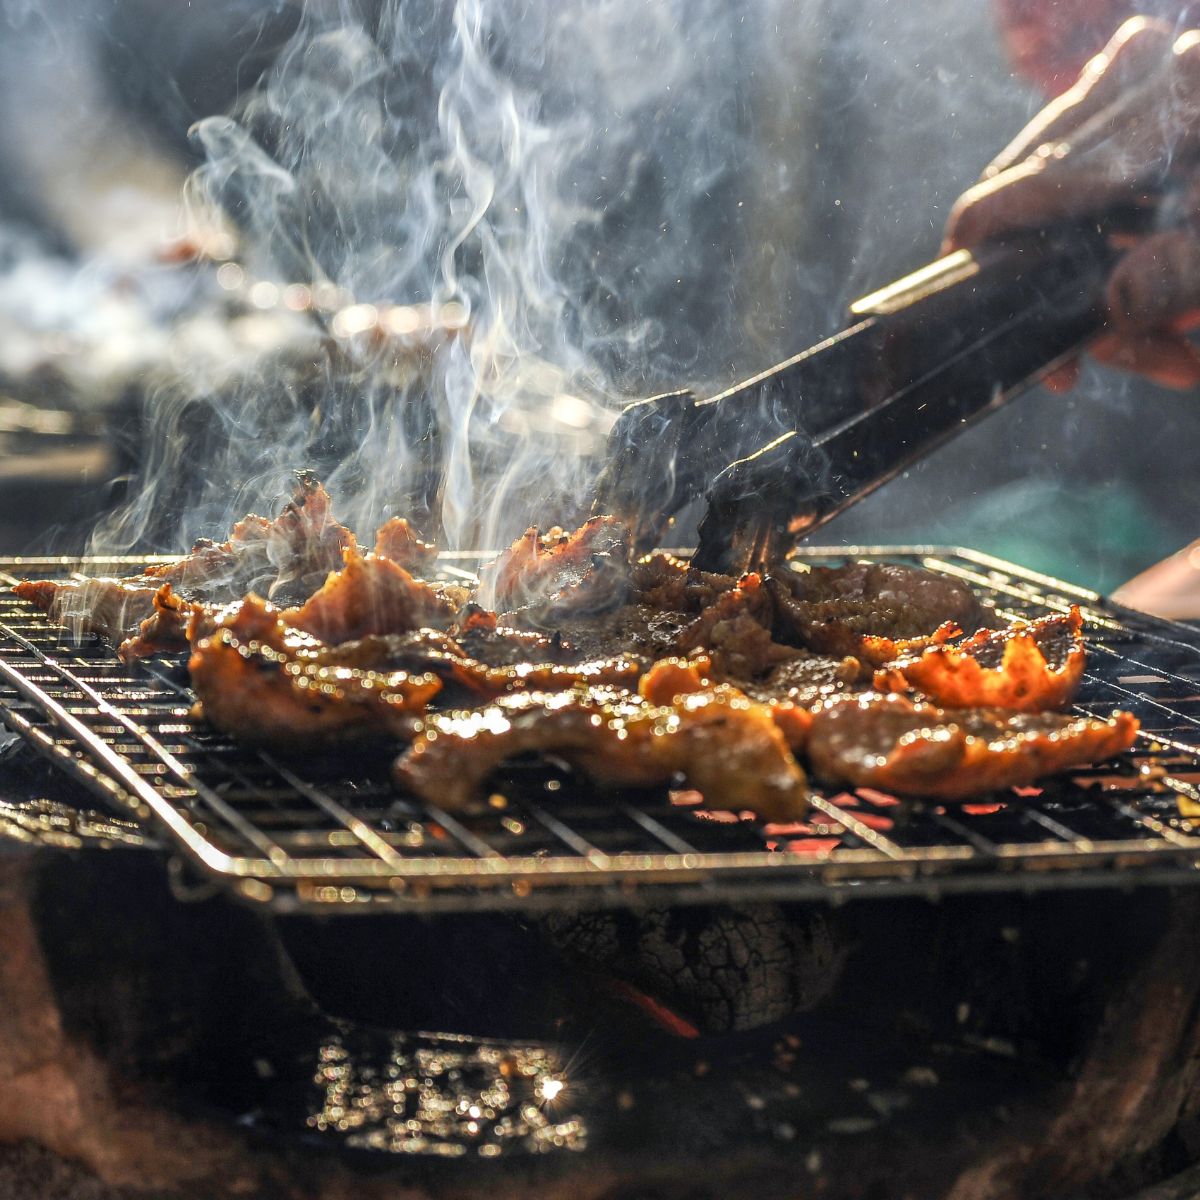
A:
[(636, 673)]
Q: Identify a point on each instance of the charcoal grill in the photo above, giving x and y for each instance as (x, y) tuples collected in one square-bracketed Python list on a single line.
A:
[(313, 835)]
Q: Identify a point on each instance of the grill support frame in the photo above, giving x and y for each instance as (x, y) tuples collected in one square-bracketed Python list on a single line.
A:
[(125, 734)]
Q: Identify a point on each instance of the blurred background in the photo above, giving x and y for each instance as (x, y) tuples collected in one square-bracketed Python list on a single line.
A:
[(439, 243)]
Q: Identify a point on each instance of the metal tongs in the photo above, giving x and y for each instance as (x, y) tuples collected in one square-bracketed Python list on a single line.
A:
[(921, 360)]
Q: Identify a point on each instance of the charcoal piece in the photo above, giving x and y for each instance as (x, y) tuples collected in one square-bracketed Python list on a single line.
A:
[(725, 968)]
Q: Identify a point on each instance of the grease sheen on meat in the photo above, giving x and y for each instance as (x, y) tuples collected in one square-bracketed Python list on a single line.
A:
[(724, 745), (896, 744)]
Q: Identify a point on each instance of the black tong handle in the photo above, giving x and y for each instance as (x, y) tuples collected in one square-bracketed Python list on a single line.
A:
[(931, 355)]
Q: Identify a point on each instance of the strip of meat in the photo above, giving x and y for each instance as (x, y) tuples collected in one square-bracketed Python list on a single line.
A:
[(294, 550), (583, 571), (892, 743), (843, 610), (397, 539), (1031, 666), (671, 678), (664, 581), (808, 679), (879, 651), (735, 630), (289, 555), (426, 651), (113, 608), (266, 683), (373, 595), (724, 745), (174, 624)]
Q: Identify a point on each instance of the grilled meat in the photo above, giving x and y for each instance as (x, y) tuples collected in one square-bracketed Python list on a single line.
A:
[(266, 682), (425, 651), (844, 610), (807, 679), (285, 556), (1031, 666), (559, 573), (113, 608), (166, 630), (371, 594), (587, 664), (724, 745), (735, 630), (396, 539), (666, 582), (892, 743)]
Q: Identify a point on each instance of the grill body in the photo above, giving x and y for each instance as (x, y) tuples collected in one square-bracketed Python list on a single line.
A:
[(334, 835)]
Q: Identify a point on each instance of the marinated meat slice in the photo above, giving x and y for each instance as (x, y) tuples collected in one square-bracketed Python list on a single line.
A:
[(426, 651), (547, 576), (735, 630), (836, 610), (171, 627), (892, 743), (671, 678), (630, 629), (879, 651), (721, 743), (808, 679), (266, 683), (113, 608), (500, 646), (664, 581), (1029, 667), (373, 595), (289, 554), (396, 539)]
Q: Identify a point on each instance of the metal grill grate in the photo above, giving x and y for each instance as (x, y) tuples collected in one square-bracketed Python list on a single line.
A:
[(303, 834)]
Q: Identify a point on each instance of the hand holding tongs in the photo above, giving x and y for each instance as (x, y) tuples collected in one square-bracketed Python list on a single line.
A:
[(922, 359)]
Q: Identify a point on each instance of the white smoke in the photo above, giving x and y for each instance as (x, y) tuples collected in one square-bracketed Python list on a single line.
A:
[(552, 184)]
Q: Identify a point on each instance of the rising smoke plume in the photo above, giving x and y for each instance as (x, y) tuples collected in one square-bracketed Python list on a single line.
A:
[(546, 184)]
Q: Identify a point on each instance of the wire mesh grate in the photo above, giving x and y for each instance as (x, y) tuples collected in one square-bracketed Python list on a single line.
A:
[(319, 833)]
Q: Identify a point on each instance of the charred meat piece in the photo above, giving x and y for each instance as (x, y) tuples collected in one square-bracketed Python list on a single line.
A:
[(269, 684), (113, 608), (373, 595), (878, 650), (547, 576), (425, 651), (174, 624), (808, 679), (724, 745), (732, 624), (664, 581), (735, 631), (892, 743), (672, 678), (396, 539), (1029, 667), (500, 646), (287, 555), (629, 629), (840, 610)]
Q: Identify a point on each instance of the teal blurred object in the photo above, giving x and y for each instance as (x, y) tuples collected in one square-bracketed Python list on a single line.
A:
[(1097, 535)]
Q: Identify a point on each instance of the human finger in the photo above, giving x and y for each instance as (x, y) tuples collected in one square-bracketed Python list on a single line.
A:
[(1162, 357), (1137, 51), (1036, 192), (1156, 282), (1063, 378)]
